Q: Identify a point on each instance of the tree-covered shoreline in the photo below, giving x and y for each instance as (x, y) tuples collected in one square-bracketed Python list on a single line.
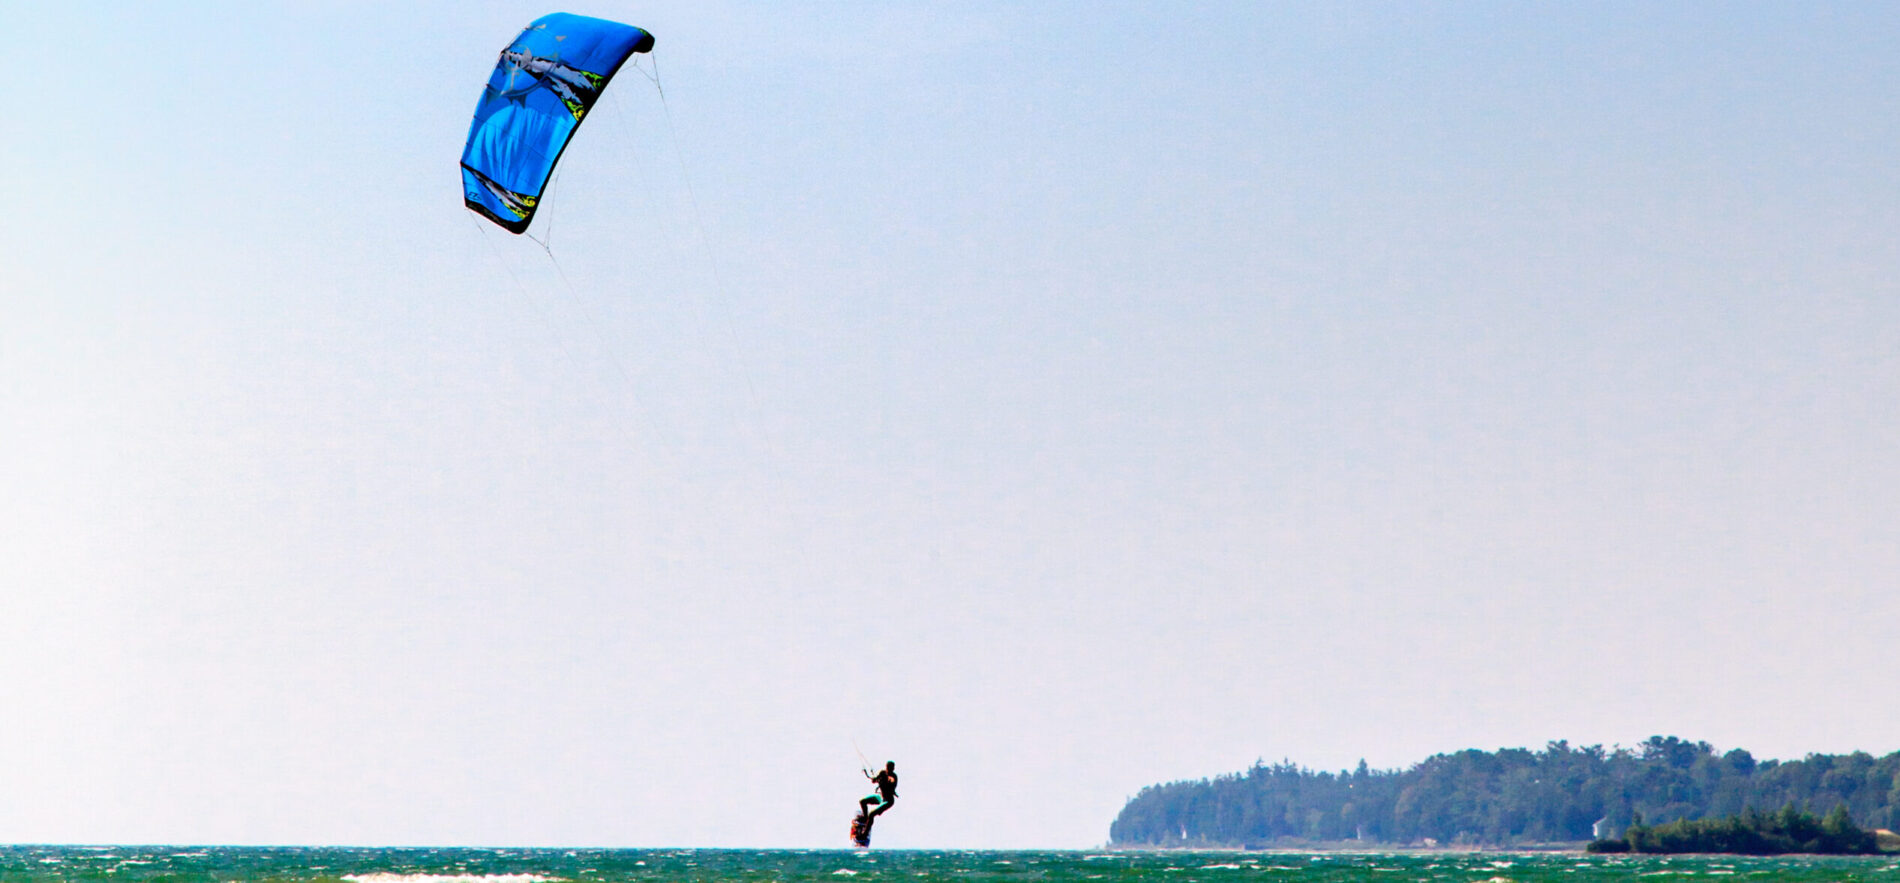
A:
[(1749, 833), (1513, 796)]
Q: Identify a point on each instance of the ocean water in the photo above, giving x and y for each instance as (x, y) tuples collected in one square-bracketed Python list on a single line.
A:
[(172, 864)]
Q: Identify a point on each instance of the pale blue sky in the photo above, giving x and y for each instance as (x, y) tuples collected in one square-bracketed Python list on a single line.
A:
[(1055, 398)]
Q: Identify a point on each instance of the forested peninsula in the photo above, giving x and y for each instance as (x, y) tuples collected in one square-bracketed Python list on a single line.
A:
[(1510, 797)]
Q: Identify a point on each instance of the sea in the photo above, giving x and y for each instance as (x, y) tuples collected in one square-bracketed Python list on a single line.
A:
[(174, 864)]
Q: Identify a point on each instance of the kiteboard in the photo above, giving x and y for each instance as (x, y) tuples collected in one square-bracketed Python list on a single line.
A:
[(861, 831)]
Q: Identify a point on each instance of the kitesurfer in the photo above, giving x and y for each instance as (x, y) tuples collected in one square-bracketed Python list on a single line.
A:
[(886, 794)]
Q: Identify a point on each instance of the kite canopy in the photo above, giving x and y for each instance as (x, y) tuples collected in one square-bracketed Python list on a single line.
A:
[(543, 85)]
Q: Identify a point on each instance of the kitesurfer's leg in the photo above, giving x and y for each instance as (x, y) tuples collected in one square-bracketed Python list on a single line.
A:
[(881, 807)]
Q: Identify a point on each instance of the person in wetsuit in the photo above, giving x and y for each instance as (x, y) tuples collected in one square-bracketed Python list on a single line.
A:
[(886, 782)]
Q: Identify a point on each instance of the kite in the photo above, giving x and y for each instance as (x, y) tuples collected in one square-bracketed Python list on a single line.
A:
[(543, 86)]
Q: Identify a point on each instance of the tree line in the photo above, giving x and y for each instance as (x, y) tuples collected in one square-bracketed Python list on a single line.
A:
[(1510, 796)]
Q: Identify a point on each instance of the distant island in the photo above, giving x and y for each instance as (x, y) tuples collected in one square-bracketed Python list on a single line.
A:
[(1644, 796)]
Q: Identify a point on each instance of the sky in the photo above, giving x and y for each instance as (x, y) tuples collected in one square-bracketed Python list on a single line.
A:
[(1054, 398)]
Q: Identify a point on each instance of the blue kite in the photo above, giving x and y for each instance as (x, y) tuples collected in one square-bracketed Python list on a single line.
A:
[(542, 87)]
